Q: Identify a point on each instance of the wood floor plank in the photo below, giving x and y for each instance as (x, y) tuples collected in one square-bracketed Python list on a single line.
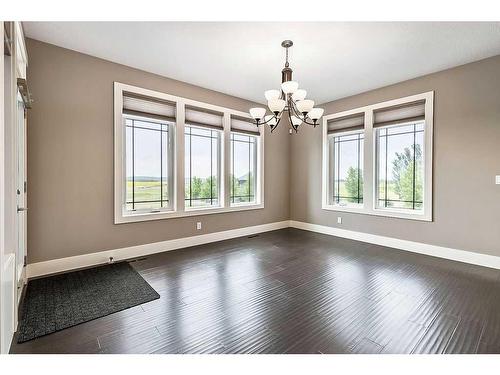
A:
[(406, 338), (366, 346), (465, 339), (293, 291), (437, 336)]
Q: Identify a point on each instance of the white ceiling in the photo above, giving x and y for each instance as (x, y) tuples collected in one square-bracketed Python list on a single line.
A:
[(330, 60)]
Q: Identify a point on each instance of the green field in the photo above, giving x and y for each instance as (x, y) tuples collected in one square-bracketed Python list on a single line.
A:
[(146, 191), (391, 194), (149, 189)]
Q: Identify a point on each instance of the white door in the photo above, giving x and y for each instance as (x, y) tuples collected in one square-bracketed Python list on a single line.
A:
[(21, 194)]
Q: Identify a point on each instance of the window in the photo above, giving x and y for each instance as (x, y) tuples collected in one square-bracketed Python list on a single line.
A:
[(399, 147), (400, 167), (176, 157), (202, 139), (243, 165), (201, 167), (377, 159), (148, 154), (147, 164), (346, 141), (244, 145)]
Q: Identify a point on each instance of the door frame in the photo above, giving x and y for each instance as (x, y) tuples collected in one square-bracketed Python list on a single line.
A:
[(21, 64), (10, 69), (21, 225)]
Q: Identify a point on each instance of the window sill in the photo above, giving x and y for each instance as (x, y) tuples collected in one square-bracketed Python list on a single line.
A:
[(149, 216), (243, 205), (398, 214), (201, 208)]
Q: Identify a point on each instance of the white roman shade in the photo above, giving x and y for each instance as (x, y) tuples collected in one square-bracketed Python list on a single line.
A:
[(204, 118), (407, 112), (138, 105), (346, 123), (244, 125)]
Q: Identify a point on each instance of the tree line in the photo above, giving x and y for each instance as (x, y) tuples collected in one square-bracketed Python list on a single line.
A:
[(200, 188), (405, 168)]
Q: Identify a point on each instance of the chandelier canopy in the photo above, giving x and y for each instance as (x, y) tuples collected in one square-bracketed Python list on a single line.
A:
[(288, 99)]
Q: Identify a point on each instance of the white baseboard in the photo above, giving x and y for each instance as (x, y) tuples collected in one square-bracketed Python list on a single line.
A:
[(414, 247), (87, 260)]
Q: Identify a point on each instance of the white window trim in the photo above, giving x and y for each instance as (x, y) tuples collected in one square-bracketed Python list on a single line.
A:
[(369, 162), (178, 209)]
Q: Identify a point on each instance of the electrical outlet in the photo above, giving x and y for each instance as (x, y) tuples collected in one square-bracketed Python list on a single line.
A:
[(339, 220), (497, 180), (198, 225)]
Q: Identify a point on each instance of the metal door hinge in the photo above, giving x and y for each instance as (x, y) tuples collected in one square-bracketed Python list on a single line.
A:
[(25, 261), (25, 186)]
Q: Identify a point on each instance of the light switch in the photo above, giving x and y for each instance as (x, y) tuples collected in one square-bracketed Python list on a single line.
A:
[(339, 220), (497, 180)]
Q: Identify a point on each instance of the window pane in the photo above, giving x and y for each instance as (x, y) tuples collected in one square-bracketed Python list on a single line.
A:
[(149, 125), (252, 170), (201, 167), (165, 169), (347, 169), (147, 168), (129, 165), (146, 159), (201, 131), (400, 166), (243, 168), (381, 164), (214, 171)]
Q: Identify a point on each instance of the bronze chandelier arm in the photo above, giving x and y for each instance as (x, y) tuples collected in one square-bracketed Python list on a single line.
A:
[(265, 122), (300, 115), (273, 127), (294, 127), (278, 119), (314, 123)]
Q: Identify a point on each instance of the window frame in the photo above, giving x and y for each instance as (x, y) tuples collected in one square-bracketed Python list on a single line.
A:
[(331, 169), (377, 158), (220, 135), (170, 161), (370, 159), (257, 167), (178, 208)]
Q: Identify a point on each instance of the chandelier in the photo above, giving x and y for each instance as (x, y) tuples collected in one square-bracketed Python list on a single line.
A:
[(289, 99)]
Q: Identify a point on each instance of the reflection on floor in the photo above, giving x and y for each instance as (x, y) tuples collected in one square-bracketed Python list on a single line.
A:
[(292, 291)]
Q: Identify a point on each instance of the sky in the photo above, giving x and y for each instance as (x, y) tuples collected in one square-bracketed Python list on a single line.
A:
[(147, 155)]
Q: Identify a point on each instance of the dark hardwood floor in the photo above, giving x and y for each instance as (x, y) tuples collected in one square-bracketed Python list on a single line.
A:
[(292, 291)]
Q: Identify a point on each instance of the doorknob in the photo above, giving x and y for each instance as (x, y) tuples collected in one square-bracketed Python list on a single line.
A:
[(21, 209)]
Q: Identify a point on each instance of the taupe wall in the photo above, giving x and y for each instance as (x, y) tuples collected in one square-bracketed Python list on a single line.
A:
[(70, 158), (466, 160)]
